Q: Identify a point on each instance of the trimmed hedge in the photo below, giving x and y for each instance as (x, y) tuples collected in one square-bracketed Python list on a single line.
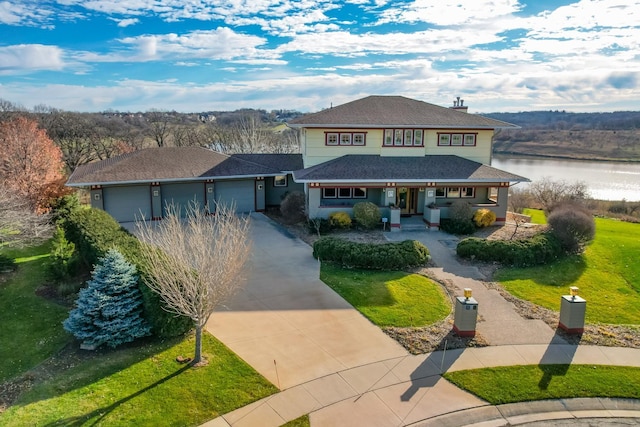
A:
[(94, 232), (540, 249), (386, 256)]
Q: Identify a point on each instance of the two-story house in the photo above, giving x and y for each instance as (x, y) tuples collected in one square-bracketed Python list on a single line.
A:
[(399, 152)]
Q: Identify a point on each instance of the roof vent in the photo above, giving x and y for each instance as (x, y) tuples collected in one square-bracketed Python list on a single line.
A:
[(458, 104)]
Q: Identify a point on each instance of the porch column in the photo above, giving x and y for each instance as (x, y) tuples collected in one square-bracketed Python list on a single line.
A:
[(503, 204), (313, 201)]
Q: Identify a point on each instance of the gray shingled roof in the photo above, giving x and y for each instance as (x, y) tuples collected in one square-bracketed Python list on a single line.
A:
[(395, 111), (373, 168), (177, 164), (281, 162)]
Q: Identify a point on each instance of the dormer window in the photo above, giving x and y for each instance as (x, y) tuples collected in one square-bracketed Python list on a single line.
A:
[(403, 138)]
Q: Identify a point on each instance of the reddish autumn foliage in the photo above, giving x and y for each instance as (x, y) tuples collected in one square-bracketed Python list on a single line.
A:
[(30, 162)]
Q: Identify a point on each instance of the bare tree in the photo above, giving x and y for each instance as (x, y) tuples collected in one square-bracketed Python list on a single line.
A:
[(159, 126), (549, 193), (519, 199), (19, 224), (195, 263)]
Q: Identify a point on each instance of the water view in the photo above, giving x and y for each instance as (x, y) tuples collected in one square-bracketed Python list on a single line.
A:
[(606, 180)]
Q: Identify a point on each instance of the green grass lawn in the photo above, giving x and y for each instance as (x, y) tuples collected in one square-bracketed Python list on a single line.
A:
[(31, 325), (608, 275), (536, 382), (142, 385), (537, 215), (389, 298)]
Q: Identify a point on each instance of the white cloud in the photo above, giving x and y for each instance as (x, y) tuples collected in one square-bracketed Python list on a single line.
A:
[(17, 59), (25, 13), (126, 22)]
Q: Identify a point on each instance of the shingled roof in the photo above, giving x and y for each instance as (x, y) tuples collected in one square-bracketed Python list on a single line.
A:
[(373, 168), (178, 164), (395, 111)]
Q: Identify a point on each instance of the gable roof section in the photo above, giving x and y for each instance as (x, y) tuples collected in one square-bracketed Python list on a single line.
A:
[(395, 111), (281, 162), (374, 168), (170, 164)]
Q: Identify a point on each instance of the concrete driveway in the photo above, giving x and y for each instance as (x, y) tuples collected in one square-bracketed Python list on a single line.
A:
[(286, 323)]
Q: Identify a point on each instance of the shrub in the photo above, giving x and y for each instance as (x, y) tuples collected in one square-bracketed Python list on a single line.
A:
[(340, 219), (319, 225), (7, 264), (387, 256), (574, 227), (109, 310), (94, 232), (62, 207), (457, 227), (484, 218), (367, 215), (292, 207), (618, 207), (540, 249), (63, 260)]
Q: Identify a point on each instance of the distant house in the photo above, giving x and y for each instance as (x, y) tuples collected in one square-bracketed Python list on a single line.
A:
[(140, 184), (402, 154)]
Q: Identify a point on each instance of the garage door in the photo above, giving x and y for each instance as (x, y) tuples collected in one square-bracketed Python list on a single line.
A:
[(182, 194), (240, 192), (127, 203)]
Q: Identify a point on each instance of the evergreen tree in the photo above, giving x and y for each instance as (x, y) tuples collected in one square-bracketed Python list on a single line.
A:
[(109, 309)]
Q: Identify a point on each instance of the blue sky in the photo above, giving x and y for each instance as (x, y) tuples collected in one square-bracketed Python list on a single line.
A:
[(199, 55)]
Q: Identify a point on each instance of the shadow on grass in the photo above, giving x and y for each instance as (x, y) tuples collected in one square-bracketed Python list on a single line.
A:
[(558, 274), (104, 411), (558, 357)]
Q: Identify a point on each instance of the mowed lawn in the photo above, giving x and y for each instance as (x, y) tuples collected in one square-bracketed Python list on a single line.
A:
[(608, 275), (389, 298), (31, 325)]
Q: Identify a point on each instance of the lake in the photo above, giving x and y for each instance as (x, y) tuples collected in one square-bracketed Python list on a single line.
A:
[(605, 180)]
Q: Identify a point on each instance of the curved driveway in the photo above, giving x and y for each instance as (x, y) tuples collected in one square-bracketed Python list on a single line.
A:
[(286, 323)]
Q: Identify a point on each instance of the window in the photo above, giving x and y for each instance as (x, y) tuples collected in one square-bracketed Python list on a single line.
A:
[(444, 139), (408, 137), (344, 193), (403, 137), (359, 193), (398, 137), (453, 192), (388, 137), (467, 192), (345, 138), (329, 193), (441, 192), (469, 139), (417, 137), (493, 194), (457, 139), (280, 181)]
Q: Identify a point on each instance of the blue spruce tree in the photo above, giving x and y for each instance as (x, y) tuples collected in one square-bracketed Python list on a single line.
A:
[(109, 309)]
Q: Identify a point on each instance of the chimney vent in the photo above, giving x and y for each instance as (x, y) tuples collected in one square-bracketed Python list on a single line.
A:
[(458, 104)]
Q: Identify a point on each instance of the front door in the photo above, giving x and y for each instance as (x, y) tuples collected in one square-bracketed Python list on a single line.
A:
[(406, 200)]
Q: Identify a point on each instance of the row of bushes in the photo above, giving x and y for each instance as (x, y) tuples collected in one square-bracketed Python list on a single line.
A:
[(387, 256), (537, 250), (94, 232)]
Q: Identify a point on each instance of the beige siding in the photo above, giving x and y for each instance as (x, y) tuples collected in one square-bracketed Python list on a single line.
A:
[(316, 151), (481, 152)]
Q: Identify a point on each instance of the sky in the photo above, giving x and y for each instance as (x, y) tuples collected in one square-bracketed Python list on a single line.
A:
[(220, 55)]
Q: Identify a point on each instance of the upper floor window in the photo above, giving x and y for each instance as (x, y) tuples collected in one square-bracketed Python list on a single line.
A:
[(457, 139), (403, 138), (345, 138)]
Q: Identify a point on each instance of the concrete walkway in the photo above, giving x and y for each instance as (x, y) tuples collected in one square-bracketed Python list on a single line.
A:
[(333, 366)]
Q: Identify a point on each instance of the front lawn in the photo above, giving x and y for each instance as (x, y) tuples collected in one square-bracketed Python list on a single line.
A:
[(389, 298), (31, 325), (536, 382), (142, 384), (608, 275)]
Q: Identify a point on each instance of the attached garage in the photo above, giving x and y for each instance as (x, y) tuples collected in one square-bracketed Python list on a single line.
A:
[(240, 192), (182, 194), (127, 203)]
